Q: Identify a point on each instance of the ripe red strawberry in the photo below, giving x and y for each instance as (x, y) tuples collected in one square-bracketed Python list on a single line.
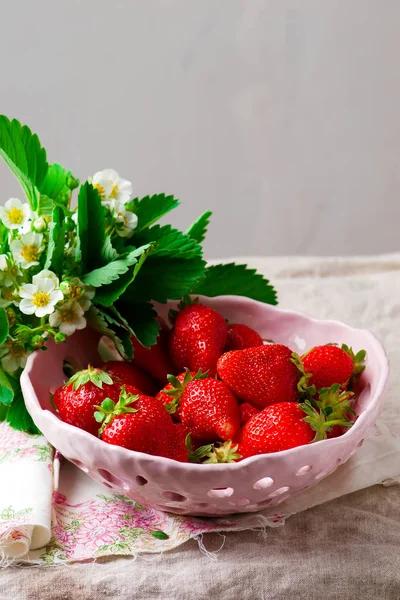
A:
[(129, 373), (241, 337), (246, 412), (209, 410), (277, 427), (263, 375), (198, 338), (171, 394), (75, 401), (136, 422), (330, 364), (178, 449), (155, 360)]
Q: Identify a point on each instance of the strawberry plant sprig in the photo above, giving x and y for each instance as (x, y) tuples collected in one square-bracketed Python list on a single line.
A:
[(101, 264)]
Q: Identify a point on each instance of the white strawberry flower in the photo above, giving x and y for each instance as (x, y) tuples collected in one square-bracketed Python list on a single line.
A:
[(13, 356), (39, 298), (15, 214), (68, 318), (74, 289), (111, 186), (26, 250), (126, 221)]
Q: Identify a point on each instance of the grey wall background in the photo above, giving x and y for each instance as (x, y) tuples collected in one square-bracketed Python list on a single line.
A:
[(283, 117)]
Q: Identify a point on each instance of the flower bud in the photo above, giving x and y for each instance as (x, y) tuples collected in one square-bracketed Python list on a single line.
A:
[(72, 183), (39, 225), (60, 337)]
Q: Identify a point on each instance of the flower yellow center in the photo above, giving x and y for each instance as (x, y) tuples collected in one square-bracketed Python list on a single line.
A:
[(67, 316), (75, 292), (40, 299), (15, 215), (100, 189), (114, 191), (30, 252)]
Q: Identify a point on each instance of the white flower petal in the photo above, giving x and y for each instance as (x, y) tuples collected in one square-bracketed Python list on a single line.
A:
[(67, 328), (27, 290), (55, 319), (3, 262), (42, 311), (45, 284), (27, 307), (9, 363), (45, 274), (56, 296)]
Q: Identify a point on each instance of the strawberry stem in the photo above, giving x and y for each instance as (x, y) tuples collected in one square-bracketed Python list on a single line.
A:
[(303, 388), (91, 374), (107, 410)]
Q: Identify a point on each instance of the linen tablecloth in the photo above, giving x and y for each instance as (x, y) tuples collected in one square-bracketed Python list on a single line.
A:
[(364, 292)]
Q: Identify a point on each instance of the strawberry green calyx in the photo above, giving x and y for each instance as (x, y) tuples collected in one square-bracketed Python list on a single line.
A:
[(323, 419), (305, 390), (335, 404), (91, 374), (107, 410), (179, 387), (196, 456), (223, 453), (357, 359), (186, 301)]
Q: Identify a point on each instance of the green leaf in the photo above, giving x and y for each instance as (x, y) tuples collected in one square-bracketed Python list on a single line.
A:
[(151, 209), (163, 279), (108, 294), (198, 229), (141, 320), (169, 242), (237, 280), (159, 535), (3, 238), (108, 252), (121, 328), (3, 412), (55, 185), (6, 388), (22, 152), (3, 325), (111, 272), (56, 246), (97, 319), (45, 206), (91, 227), (18, 416)]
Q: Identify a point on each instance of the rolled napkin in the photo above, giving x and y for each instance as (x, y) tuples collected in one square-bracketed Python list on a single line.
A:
[(26, 475)]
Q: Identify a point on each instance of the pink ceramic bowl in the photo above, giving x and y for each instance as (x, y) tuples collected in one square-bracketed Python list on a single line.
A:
[(211, 490)]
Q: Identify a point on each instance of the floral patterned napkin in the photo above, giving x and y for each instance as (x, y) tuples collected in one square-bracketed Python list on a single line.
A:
[(51, 515)]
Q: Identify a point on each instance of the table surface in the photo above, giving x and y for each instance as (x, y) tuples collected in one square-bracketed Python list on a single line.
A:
[(347, 549), (343, 550)]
